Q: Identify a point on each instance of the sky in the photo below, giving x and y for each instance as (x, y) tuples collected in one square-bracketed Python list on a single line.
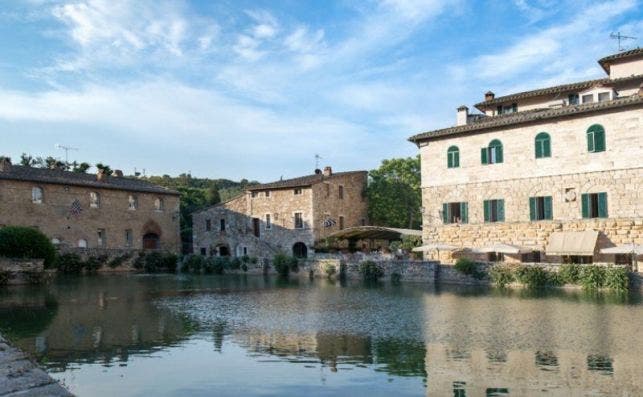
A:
[(255, 89)]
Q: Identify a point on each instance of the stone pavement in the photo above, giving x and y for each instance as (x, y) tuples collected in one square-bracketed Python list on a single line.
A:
[(19, 376)]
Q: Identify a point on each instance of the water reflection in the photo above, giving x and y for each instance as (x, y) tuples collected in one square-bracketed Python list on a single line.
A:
[(256, 336)]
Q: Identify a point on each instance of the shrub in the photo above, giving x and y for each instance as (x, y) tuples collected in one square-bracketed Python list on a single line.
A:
[(139, 262), (193, 264), (370, 271), (396, 278), (468, 267), (501, 275), (592, 277), (170, 262), (531, 276), (69, 264), (28, 243), (92, 264), (244, 267), (235, 264), (555, 279), (4, 277), (153, 262), (330, 270), (118, 260), (283, 264), (617, 278), (219, 264), (570, 273)]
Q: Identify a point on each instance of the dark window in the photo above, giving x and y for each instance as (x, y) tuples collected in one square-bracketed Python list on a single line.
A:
[(204, 251), (504, 109), (253, 194), (267, 193), (494, 210), (268, 222), (588, 98), (299, 220), (623, 259), (363, 222), (596, 138), (455, 213), (340, 192), (255, 227), (341, 223), (208, 225), (578, 259), (540, 208), (297, 191), (603, 96), (596, 362), (129, 238), (531, 257), (543, 145), (222, 225), (495, 257), (573, 99), (102, 238), (594, 205), (492, 154), (453, 157)]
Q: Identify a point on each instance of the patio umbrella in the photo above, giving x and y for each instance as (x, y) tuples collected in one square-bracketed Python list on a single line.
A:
[(503, 248), (436, 246), (624, 249)]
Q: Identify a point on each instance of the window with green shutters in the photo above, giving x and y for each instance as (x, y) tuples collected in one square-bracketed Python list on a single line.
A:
[(453, 157), (596, 138), (455, 213), (494, 210), (543, 145), (540, 208), (594, 205), (491, 154)]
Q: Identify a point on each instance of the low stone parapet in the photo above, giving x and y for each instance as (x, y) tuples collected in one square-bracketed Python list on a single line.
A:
[(402, 270), (21, 271)]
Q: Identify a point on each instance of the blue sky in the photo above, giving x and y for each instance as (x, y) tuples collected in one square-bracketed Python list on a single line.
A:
[(254, 89)]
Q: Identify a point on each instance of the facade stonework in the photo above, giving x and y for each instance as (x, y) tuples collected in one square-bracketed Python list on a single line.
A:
[(273, 218)]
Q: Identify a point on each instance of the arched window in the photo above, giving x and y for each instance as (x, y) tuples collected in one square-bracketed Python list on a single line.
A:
[(596, 138), (132, 202), (543, 145), (492, 154), (159, 204), (94, 200), (453, 157), (82, 243), (36, 195)]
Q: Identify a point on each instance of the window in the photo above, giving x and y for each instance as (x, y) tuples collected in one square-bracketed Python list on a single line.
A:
[(573, 99), (82, 243), (267, 193), (253, 194), (299, 220), (159, 205), (577, 259), (341, 223), (363, 222), (596, 138), (540, 208), (102, 238), (589, 98), (492, 154), (623, 259), (268, 222), (94, 200), (297, 191), (495, 257), (455, 213), (543, 145), (255, 227), (132, 202), (208, 225), (55, 241), (531, 257), (594, 205), (503, 109), (494, 210), (603, 96), (340, 192), (36, 195), (204, 251), (453, 157), (129, 238), (222, 225)]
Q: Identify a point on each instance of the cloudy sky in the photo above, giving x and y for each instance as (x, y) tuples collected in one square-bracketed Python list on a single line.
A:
[(254, 89)]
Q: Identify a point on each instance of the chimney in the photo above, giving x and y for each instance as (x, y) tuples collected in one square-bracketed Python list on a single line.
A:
[(488, 96), (118, 173), (101, 176), (462, 115), (5, 164), (328, 171)]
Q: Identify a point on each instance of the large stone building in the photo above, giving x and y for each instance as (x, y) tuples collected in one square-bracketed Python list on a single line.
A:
[(283, 216), (89, 211), (554, 174)]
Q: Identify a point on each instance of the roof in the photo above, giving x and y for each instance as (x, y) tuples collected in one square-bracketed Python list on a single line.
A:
[(572, 243), (59, 177), (375, 233), (557, 89), (302, 181), (608, 60), (511, 119)]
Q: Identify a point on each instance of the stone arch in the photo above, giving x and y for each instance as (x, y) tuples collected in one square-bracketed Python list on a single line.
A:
[(151, 232), (300, 250)]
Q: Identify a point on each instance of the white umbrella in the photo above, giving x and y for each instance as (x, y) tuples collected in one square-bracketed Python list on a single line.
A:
[(435, 246), (624, 249), (503, 248)]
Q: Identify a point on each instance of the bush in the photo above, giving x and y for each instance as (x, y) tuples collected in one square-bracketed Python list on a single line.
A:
[(118, 260), (4, 277), (570, 273), (283, 264), (28, 243), (396, 278), (330, 270), (235, 264), (244, 267), (468, 267), (92, 264), (555, 279), (370, 271), (501, 275), (153, 262), (69, 264), (193, 264), (617, 278), (532, 276), (592, 277)]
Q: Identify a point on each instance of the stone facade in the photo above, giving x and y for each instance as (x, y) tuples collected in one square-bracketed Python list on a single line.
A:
[(274, 217), (65, 212)]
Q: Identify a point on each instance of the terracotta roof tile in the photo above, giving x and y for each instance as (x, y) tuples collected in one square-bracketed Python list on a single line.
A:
[(606, 61), (302, 181)]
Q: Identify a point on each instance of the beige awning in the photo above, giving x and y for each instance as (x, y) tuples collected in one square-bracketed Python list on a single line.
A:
[(572, 243), (624, 249), (503, 248), (436, 247)]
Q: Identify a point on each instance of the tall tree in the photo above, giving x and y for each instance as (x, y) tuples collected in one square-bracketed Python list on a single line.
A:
[(394, 196), (105, 168)]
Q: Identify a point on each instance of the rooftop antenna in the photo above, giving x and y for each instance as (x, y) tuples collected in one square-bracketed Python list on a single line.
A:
[(317, 158), (618, 36), (66, 149)]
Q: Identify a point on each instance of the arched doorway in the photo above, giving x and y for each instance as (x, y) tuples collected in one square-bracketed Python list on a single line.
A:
[(151, 241), (223, 250), (299, 250)]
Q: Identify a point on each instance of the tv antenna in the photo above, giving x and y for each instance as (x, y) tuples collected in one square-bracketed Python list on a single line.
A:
[(66, 149), (618, 36), (317, 158)]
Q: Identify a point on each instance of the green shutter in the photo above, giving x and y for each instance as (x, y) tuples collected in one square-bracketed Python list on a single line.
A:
[(548, 208), (487, 208), (539, 149), (456, 159), (500, 208), (445, 213), (585, 205), (547, 148), (498, 154), (532, 208), (602, 205), (590, 141), (464, 212), (449, 160), (599, 140), (483, 155)]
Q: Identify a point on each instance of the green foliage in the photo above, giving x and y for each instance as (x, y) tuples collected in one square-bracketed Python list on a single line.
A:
[(69, 264), (284, 264), (193, 264), (394, 197), (107, 170), (531, 276), (570, 273), (370, 271), (396, 278), (501, 275), (154, 262), (27, 243), (330, 270), (92, 264), (592, 277), (244, 267), (118, 260), (468, 267), (235, 264), (617, 278), (4, 277)]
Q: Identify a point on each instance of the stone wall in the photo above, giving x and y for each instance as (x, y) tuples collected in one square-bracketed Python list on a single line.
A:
[(416, 271), (21, 271)]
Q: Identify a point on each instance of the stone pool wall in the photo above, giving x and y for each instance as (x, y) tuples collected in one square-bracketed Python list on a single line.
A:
[(21, 271), (408, 270)]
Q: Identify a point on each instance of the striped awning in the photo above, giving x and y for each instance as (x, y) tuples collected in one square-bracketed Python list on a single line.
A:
[(572, 243)]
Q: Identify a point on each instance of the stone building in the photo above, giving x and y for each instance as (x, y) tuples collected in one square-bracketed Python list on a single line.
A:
[(78, 210), (283, 216), (554, 174)]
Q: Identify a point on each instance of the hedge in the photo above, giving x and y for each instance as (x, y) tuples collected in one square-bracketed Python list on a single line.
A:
[(26, 243)]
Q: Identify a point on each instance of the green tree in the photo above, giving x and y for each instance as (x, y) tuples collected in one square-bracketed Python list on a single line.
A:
[(394, 196), (27, 160), (105, 168), (80, 167)]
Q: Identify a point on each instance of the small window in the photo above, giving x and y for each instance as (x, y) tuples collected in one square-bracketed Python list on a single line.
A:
[(623, 259), (505, 109), (132, 202), (492, 154), (573, 99), (455, 213), (453, 157), (495, 257), (204, 251), (159, 205), (594, 205), (578, 259), (94, 200), (540, 208), (363, 222), (82, 243), (129, 238), (268, 222), (596, 138), (494, 210), (255, 227), (253, 194), (543, 145), (299, 220), (341, 223), (36, 195), (267, 193), (222, 225), (340, 192), (102, 238), (589, 98), (297, 191), (208, 225), (603, 96)]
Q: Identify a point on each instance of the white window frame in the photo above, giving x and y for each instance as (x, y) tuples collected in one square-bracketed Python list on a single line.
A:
[(94, 200), (37, 199), (132, 202)]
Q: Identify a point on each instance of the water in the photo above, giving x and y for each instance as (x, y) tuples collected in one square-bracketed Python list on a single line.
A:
[(138, 335)]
